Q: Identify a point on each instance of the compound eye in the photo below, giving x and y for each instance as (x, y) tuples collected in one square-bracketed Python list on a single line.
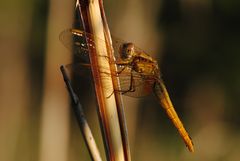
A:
[(130, 48), (127, 51)]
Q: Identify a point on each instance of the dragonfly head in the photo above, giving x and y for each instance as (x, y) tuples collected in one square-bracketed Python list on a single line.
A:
[(126, 51)]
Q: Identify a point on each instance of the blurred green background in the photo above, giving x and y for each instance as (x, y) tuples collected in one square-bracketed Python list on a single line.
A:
[(196, 43)]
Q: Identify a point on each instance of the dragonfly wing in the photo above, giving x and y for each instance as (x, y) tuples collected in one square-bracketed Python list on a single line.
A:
[(81, 43), (140, 86), (78, 71), (76, 42), (134, 84)]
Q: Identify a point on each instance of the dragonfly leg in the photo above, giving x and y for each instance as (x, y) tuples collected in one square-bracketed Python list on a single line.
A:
[(108, 59), (120, 71), (105, 56), (119, 90), (111, 94), (131, 86)]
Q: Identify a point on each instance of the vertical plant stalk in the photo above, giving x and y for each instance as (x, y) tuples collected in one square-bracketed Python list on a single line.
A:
[(112, 130), (82, 122), (118, 97)]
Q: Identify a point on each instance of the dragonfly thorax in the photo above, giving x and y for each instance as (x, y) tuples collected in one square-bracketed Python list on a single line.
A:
[(127, 51)]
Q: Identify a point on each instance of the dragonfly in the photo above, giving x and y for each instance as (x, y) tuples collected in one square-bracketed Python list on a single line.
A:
[(137, 71)]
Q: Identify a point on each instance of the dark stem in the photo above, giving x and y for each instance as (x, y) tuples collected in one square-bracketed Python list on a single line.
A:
[(82, 122)]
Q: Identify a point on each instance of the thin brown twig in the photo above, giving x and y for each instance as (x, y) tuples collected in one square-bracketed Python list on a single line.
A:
[(114, 132)]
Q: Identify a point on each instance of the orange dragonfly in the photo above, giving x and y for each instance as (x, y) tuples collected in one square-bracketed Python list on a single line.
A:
[(138, 72)]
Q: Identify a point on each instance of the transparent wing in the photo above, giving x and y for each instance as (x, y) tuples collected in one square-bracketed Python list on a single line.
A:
[(81, 43), (140, 86), (135, 84)]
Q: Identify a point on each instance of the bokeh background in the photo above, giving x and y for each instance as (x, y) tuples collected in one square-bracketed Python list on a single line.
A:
[(196, 43)]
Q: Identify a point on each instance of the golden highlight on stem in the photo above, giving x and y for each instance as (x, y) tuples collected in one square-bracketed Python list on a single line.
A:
[(116, 84), (106, 101)]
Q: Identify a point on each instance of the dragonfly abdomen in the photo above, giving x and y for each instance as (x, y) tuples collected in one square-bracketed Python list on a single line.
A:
[(161, 93)]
